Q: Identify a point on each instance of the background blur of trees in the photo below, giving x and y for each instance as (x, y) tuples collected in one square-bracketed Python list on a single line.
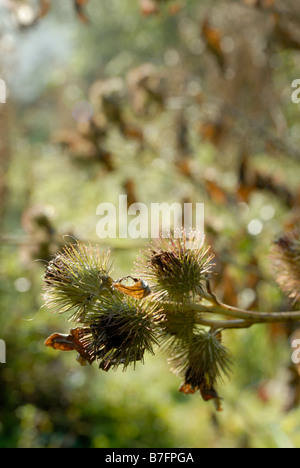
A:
[(184, 100)]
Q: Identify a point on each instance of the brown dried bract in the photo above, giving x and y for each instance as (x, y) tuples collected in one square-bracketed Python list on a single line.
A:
[(70, 342), (139, 290)]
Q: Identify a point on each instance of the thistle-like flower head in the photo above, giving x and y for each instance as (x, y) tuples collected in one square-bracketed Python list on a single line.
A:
[(76, 277), (202, 362), (176, 268), (121, 329)]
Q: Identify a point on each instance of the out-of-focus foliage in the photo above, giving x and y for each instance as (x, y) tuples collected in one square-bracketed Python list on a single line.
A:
[(185, 101)]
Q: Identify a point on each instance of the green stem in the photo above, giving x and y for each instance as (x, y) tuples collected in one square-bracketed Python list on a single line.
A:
[(223, 324), (234, 312)]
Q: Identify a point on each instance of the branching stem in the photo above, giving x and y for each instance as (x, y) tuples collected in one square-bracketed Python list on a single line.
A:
[(236, 317)]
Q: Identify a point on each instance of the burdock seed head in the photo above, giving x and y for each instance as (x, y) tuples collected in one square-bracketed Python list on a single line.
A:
[(202, 362), (286, 262), (204, 355), (121, 330), (76, 278), (175, 268)]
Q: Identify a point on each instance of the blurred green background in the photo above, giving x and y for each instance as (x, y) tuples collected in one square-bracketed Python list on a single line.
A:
[(213, 124)]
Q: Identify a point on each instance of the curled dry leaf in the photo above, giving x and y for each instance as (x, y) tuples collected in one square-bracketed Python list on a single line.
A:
[(70, 342), (139, 290)]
